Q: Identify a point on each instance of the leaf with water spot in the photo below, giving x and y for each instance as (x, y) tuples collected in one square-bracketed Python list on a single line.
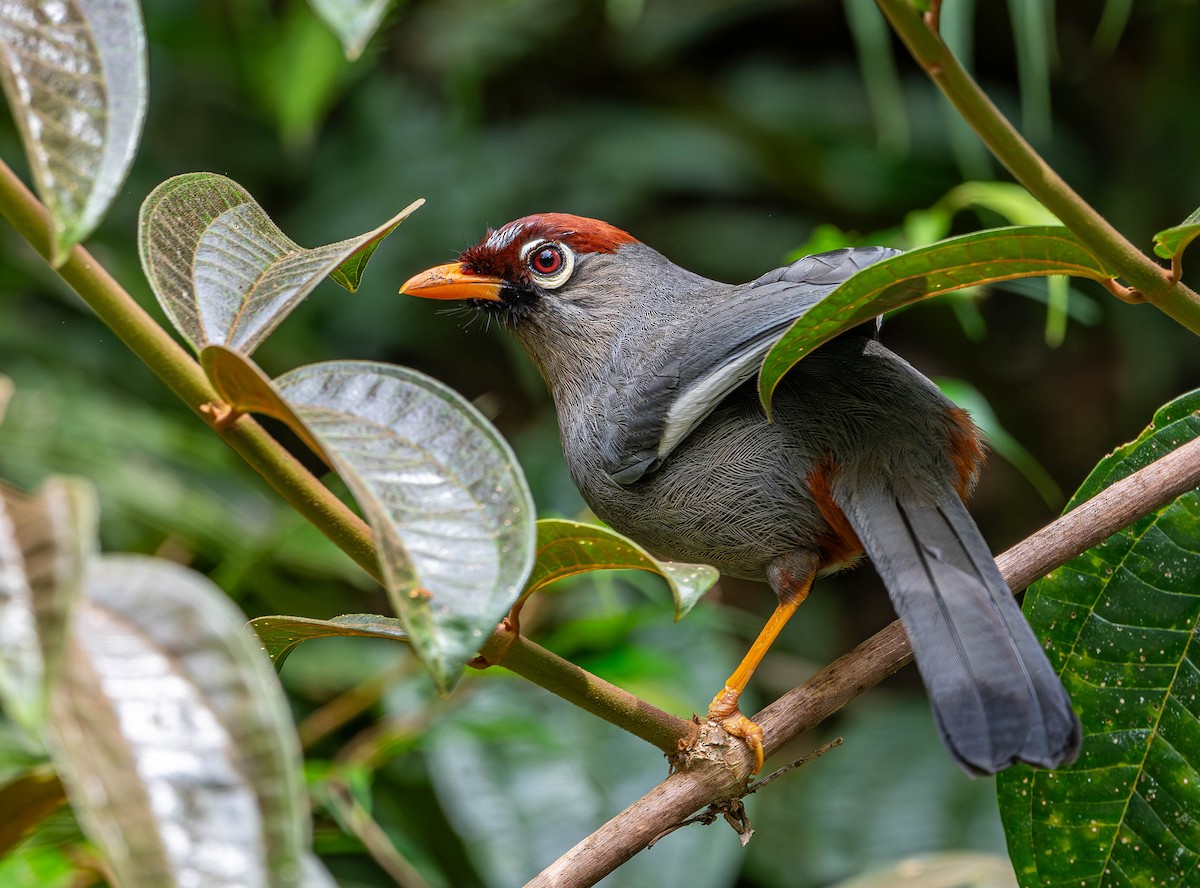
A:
[(223, 271), (74, 73), (173, 737), (985, 257), (452, 515), (280, 635), (1121, 622), (567, 548)]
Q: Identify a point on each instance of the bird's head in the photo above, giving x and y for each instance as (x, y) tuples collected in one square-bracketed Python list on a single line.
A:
[(550, 264)]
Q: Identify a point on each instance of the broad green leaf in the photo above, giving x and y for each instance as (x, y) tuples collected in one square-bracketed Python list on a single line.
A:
[(25, 801), (74, 73), (173, 737), (354, 21), (223, 271), (1121, 622), (452, 514), (1007, 199), (280, 635), (985, 257), (46, 540), (246, 389), (1170, 243), (567, 548)]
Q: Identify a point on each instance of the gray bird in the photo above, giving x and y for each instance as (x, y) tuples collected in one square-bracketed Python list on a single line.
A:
[(652, 368)]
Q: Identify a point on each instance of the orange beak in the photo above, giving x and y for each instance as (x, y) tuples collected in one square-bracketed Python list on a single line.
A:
[(452, 282)]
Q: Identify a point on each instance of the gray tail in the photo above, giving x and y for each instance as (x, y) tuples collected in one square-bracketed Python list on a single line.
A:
[(994, 695)]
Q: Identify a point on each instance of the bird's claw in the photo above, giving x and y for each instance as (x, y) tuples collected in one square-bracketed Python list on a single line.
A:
[(724, 711)]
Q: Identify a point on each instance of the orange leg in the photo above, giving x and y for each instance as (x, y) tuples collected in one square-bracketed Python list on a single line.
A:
[(724, 707)]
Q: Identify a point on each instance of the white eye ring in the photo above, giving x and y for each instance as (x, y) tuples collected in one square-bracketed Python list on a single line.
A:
[(552, 279)]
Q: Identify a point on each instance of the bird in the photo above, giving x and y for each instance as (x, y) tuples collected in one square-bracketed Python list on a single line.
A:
[(651, 370)]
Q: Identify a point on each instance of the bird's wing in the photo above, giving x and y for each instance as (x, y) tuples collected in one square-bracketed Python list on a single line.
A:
[(653, 402)]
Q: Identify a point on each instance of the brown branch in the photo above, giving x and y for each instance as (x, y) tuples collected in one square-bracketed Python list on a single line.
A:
[(719, 766)]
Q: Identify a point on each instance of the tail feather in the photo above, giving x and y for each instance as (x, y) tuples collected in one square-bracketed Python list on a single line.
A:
[(994, 695)]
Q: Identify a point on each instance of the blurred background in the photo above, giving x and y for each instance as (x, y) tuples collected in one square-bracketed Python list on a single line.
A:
[(728, 135)]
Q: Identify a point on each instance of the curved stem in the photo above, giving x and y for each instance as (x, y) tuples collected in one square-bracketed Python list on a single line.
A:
[(1151, 281)]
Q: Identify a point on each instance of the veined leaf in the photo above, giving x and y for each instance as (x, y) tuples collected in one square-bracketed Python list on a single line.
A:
[(984, 257), (1121, 622), (223, 271), (1170, 243), (567, 548), (452, 514), (280, 635), (46, 540), (172, 736), (354, 21), (74, 73)]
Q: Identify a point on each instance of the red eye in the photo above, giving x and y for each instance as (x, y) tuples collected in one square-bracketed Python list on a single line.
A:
[(547, 259)]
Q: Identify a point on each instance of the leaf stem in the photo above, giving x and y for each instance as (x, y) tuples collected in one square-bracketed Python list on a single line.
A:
[(1146, 278)]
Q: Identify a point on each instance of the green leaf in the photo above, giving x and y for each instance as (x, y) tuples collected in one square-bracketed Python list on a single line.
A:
[(354, 21), (223, 271), (985, 257), (280, 635), (25, 802), (1170, 243), (1121, 622), (46, 540), (567, 548), (74, 74), (452, 515), (172, 736)]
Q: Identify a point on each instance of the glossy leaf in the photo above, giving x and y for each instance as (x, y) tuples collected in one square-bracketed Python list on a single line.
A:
[(567, 548), (984, 257), (45, 542), (246, 389), (354, 21), (223, 271), (74, 73), (1170, 243), (280, 635), (452, 515), (173, 737), (1121, 623)]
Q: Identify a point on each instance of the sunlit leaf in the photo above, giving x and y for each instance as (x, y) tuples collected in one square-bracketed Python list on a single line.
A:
[(1121, 623), (452, 515), (223, 271), (6, 390), (280, 635), (567, 548), (173, 737), (74, 73), (985, 257), (960, 869), (354, 21), (246, 389), (1173, 241), (25, 802), (45, 542)]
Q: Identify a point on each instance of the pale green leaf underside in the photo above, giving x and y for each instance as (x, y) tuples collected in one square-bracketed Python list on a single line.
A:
[(981, 258), (1121, 621), (172, 735), (223, 271), (354, 21), (566, 548), (452, 515), (46, 540), (74, 72), (1170, 243), (280, 635)]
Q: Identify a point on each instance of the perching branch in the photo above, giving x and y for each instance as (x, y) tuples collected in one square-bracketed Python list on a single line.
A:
[(1148, 280), (720, 768)]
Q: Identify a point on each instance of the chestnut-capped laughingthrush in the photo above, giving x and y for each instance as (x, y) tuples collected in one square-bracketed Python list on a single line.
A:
[(652, 372)]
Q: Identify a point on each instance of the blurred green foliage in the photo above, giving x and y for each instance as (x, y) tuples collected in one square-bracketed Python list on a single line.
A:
[(724, 134)]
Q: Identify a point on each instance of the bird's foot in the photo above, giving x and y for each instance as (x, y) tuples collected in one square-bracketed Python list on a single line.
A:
[(724, 710)]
